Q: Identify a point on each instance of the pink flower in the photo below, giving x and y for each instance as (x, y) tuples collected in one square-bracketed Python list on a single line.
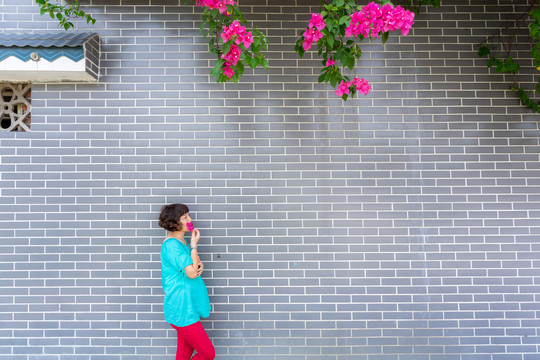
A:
[(227, 70), (317, 21), (404, 19), (246, 39), (221, 5), (361, 85), (310, 36), (330, 62), (235, 29), (359, 25), (226, 35), (343, 88), (237, 32), (233, 55), (373, 19)]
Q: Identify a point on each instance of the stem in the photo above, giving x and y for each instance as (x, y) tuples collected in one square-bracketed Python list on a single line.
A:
[(517, 24)]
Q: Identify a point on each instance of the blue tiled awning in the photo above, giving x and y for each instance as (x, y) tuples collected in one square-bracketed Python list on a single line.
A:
[(61, 39), (48, 46), (41, 57)]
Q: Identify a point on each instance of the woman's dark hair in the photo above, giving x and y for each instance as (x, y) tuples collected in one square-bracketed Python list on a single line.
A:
[(169, 218)]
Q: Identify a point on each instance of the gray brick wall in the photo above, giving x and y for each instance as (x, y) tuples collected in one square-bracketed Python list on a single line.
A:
[(403, 225)]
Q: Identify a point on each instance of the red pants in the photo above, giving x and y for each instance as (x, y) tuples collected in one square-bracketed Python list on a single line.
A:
[(193, 337)]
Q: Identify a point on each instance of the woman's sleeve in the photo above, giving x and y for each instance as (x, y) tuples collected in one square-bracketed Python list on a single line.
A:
[(174, 255)]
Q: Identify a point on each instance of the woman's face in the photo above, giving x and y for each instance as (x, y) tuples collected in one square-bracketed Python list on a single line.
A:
[(184, 219)]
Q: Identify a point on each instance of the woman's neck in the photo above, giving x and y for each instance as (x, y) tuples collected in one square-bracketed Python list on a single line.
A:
[(177, 235)]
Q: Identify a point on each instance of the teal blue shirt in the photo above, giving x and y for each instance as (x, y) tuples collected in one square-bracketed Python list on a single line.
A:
[(186, 300)]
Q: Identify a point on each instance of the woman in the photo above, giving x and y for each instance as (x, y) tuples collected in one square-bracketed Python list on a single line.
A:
[(186, 297)]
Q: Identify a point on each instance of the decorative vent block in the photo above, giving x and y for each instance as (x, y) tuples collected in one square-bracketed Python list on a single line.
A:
[(15, 107)]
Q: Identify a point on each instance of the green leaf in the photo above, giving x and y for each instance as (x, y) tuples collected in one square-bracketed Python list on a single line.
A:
[(256, 47), (330, 24), (327, 76), (483, 51), (217, 68), (345, 60), (384, 37), (344, 20), (339, 3), (201, 28), (508, 66), (538, 86), (535, 13), (227, 47), (239, 68), (535, 52), (330, 40), (351, 62), (534, 31), (334, 80), (321, 78)]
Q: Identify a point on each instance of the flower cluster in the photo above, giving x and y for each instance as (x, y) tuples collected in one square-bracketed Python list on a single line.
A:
[(361, 86), (313, 32), (238, 34), (234, 35), (340, 17), (374, 19), (221, 5)]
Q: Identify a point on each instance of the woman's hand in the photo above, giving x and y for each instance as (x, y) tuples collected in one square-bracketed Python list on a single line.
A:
[(200, 268), (195, 237)]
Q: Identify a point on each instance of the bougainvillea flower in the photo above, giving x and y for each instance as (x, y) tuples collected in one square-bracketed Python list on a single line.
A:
[(227, 70), (238, 32), (226, 35), (404, 19), (317, 21), (343, 88), (221, 5), (330, 62), (310, 36), (359, 25), (246, 39), (234, 29), (361, 85), (190, 226), (373, 20), (233, 55)]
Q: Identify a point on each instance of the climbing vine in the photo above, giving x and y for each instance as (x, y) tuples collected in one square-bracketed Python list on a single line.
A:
[(64, 13), (498, 48), (234, 45), (337, 31)]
